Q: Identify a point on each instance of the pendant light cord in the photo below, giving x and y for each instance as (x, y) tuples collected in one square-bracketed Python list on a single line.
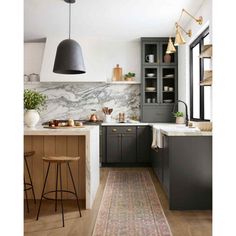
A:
[(69, 18)]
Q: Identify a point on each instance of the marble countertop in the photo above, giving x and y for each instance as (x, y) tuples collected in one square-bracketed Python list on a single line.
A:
[(185, 133), (125, 124), (179, 130), (40, 130)]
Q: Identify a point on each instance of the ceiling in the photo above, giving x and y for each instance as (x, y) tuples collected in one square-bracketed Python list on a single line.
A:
[(113, 19)]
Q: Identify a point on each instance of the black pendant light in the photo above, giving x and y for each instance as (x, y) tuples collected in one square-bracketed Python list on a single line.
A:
[(69, 59)]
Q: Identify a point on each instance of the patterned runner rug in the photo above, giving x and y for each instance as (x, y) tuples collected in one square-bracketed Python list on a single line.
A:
[(130, 206)]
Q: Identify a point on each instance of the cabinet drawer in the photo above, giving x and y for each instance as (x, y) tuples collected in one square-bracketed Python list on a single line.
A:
[(121, 129)]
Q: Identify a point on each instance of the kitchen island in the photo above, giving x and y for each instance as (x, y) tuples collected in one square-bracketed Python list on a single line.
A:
[(82, 142), (182, 161)]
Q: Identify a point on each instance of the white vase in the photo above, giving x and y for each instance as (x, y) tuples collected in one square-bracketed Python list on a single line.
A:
[(31, 118), (108, 119), (180, 120)]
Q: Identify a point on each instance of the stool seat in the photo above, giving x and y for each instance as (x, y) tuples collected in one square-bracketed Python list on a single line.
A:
[(60, 159), (29, 153)]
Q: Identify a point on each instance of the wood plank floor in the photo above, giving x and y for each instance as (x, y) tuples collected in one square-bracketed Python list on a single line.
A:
[(182, 223)]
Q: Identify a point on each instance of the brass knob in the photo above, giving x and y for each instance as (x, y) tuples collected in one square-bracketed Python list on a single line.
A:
[(114, 130), (129, 130)]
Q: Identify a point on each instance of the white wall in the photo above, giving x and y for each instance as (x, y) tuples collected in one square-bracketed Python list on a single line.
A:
[(33, 56), (183, 51), (100, 57)]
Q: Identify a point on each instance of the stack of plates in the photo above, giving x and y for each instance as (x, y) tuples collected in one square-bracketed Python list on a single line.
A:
[(167, 100), (150, 74), (150, 89), (169, 76)]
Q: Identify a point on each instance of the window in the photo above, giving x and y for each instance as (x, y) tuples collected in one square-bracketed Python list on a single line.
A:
[(200, 96)]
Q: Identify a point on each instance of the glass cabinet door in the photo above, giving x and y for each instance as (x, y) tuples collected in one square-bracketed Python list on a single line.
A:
[(168, 84), (151, 53), (150, 78)]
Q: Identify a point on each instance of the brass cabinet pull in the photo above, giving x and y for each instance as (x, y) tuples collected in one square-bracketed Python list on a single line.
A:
[(114, 130), (129, 130)]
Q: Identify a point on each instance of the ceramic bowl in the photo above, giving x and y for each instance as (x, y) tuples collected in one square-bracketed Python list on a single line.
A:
[(150, 74)]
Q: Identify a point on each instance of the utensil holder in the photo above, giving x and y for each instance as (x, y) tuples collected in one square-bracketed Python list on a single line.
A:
[(108, 118)]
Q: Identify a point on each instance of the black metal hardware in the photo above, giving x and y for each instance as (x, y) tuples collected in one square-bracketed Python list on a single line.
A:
[(28, 186), (60, 190)]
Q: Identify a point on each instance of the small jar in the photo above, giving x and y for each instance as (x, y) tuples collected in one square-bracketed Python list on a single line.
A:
[(71, 122), (121, 117)]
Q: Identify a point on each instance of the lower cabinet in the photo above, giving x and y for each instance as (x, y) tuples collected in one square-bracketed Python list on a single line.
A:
[(143, 143), (184, 169), (126, 145), (157, 163)]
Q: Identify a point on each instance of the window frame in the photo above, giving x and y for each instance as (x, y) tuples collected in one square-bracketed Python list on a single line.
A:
[(199, 40)]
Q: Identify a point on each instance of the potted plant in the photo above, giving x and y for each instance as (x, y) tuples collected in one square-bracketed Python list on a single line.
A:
[(179, 117), (130, 76), (33, 103)]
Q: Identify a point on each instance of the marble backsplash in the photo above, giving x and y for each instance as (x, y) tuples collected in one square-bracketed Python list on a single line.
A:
[(76, 100)]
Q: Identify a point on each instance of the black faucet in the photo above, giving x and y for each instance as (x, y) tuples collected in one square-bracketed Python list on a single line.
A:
[(186, 110)]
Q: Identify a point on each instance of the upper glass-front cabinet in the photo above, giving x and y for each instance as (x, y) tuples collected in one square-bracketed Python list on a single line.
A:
[(154, 53)]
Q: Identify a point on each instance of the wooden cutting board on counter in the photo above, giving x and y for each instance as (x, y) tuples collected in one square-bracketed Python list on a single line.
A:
[(117, 73)]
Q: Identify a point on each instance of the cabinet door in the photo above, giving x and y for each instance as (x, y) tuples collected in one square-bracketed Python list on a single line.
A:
[(128, 147), (143, 144), (113, 148), (166, 167)]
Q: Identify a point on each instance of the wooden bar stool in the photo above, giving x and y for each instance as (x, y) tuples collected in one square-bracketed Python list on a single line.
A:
[(28, 186), (58, 161)]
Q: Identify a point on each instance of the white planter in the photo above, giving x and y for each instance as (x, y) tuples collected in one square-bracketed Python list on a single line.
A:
[(180, 120), (108, 119), (31, 118)]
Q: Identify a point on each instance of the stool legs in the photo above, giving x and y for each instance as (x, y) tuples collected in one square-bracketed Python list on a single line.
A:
[(27, 167), (62, 210), (77, 199), (56, 189), (26, 196), (44, 185), (58, 175)]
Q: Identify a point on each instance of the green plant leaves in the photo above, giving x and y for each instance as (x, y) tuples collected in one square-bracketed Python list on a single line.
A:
[(178, 114), (34, 100)]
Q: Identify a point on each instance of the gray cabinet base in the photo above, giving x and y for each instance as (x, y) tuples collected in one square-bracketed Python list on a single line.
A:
[(184, 168)]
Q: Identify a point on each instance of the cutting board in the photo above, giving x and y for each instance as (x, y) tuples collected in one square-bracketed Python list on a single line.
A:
[(117, 73)]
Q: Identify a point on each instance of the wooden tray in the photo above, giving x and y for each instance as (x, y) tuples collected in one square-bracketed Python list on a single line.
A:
[(63, 127)]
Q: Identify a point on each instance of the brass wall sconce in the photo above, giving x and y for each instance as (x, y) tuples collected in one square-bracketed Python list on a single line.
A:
[(199, 20), (179, 39)]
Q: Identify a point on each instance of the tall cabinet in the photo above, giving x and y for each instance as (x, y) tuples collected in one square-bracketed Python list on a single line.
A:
[(159, 79)]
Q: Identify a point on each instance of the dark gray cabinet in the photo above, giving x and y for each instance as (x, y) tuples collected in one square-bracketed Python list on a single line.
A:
[(159, 82), (165, 166), (143, 144), (114, 148), (184, 168), (126, 145), (121, 144), (157, 163)]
